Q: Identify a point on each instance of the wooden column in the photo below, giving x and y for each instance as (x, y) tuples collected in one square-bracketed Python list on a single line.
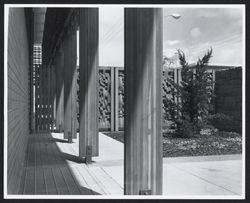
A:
[(74, 82), (70, 85), (88, 106), (60, 107), (47, 96), (43, 98), (67, 81), (52, 97), (38, 97), (143, 103), (59, 89)]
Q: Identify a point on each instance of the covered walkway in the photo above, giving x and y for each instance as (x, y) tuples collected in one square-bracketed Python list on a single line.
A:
[(53, 140)]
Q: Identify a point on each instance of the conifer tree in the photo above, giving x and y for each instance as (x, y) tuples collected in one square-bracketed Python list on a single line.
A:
[(194, 94)]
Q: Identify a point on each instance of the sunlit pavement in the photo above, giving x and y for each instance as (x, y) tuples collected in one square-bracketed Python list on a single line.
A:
[(54, 167), (203, 175)]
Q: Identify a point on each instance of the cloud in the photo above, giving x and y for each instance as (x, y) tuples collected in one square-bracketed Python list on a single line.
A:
[(207, 12), (195, 32), (172, 42)]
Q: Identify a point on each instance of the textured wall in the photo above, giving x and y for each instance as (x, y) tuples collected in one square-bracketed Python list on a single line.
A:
[(18, 96), (228, 90)]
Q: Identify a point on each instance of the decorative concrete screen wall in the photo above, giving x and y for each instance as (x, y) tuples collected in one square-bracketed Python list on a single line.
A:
[(18, 96), (228, 90), (111, 93), (111, 96)]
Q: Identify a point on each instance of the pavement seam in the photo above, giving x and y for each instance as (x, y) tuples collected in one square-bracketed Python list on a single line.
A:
[(206, 180)]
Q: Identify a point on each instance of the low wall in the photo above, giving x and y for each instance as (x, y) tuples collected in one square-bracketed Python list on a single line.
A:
[(228, 91)]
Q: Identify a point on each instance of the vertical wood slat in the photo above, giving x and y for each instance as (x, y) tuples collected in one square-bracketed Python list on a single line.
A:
[(143, 76), (112, 96), (176, 81), (116, 99), (88, 105)]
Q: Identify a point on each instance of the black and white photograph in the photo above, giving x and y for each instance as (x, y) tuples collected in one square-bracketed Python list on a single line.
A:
[(124, 101)]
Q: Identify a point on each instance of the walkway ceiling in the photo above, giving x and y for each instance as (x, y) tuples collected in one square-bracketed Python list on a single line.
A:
[(54, 24), (39, 19)]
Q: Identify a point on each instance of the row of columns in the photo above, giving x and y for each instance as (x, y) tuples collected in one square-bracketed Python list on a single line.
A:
[(143, 55), (45, 91)]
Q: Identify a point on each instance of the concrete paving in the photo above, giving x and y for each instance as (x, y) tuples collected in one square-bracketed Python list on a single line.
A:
[(204, 175)]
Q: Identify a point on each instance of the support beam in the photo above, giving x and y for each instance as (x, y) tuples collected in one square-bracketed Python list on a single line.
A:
[(88, 106), (143, 103), (69, 85)]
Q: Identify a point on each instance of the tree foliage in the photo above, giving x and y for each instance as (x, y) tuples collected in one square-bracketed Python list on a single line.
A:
[(194, 95)]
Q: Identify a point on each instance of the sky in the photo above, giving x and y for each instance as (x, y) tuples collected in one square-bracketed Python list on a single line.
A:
[(197, 30)]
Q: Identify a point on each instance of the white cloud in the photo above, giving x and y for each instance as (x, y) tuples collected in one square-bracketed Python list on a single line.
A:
[(207, 13), (195, 32), (172, 42), (169, 52)]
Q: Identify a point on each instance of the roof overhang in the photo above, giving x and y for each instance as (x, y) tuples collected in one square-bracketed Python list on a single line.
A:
[(39, 20), (53, 27)]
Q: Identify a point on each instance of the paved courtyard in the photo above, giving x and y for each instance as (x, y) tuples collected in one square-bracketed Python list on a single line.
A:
[(49, 154)]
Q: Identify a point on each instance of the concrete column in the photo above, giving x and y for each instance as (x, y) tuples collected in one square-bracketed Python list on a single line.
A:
[(88, 106), (70, 85), (143, 103)]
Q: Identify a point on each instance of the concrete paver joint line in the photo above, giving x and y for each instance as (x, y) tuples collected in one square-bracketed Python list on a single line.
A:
[(206, 180)]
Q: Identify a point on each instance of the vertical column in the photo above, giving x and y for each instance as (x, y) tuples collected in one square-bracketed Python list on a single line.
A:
[(38, 97), (57, 91), (42, 90), (70, 115), (143, 103), (51, 97), (74, 81), (60, 77), (47, 94), (88, 106)]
